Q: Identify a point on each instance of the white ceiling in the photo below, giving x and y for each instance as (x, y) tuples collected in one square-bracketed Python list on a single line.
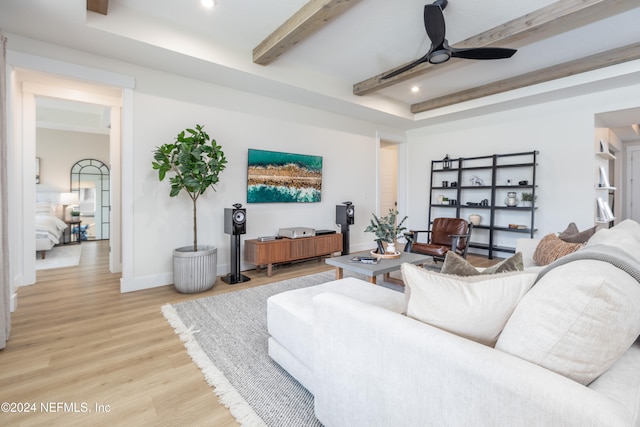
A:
[(371, 37)]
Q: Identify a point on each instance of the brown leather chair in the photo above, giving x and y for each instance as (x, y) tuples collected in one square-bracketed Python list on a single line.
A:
[(446, 234)]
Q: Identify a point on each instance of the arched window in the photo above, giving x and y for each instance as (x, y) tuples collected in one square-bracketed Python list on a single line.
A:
[(90, 180)]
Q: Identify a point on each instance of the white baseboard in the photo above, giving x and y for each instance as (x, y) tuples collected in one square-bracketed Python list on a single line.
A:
[(13, 302), (146, 282), (155, 281)]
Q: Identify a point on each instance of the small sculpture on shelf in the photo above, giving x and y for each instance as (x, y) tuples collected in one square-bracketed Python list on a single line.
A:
[(476, 180), (512, 199), (446, 162)]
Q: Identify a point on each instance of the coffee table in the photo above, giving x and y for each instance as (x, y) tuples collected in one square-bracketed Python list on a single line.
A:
[(384, 265)]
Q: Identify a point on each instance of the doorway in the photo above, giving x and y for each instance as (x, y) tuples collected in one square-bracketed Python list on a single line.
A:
[(388, 184), (27, 87), (633, 182), (391, 182)]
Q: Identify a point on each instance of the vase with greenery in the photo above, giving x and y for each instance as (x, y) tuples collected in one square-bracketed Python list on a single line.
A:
[(528, 199), (193, 164), (387, 229)]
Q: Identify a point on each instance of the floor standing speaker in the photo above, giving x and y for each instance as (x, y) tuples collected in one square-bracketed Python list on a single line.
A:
[(345, 216), (235, 224)]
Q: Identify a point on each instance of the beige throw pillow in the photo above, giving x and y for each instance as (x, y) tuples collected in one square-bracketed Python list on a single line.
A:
[(576, 321), (551, 248), (457, 265), (474, 307)]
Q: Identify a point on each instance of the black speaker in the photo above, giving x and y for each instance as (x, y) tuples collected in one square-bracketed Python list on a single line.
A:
[(235, 224), (345, 213), (235, 220), (345, 216)]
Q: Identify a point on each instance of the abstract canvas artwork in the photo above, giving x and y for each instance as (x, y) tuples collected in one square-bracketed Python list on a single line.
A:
[(275, 177)]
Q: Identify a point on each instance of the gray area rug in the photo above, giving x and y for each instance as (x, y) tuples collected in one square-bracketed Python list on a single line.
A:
[(226, 336)]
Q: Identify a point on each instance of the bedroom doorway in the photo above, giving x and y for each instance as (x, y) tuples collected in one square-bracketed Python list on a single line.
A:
[(29, 87)]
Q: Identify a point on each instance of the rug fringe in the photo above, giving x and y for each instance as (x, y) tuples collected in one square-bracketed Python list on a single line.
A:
[(227, 394)]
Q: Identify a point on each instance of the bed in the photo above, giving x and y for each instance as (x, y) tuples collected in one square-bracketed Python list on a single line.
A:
[(49, 227)]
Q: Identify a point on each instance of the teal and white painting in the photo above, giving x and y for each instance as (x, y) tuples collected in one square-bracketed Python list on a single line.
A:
[(275, 177)]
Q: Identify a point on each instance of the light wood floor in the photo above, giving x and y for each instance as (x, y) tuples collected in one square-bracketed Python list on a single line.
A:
[(76, 340)]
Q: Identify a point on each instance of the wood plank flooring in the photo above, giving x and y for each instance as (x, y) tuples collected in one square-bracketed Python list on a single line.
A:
[(84, 354)]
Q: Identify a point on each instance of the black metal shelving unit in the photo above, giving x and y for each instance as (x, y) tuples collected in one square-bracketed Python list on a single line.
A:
[(524, 163)]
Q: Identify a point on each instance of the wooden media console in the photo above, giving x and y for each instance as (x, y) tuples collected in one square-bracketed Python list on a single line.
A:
[(287, 250)]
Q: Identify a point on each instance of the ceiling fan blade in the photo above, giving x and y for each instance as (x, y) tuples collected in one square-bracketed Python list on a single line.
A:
[(434, 24), (406, 67), (483, 53)]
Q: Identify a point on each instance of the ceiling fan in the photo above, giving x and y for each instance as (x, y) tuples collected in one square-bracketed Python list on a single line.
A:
[(440, 50)]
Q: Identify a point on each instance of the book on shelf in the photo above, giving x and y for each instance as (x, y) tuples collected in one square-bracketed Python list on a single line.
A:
[(518, 226), (604, 179), (604, 210), (364, 259)]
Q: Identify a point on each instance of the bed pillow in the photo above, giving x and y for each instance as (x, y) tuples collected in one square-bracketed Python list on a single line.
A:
[(572, 235), (577, 320), (552, 248), (473, 307), (457, 265), (44, 208)]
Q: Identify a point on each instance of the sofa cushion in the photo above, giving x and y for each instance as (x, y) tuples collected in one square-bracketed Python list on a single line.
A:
[(474, 307), (552, 248), (572, 235), (290, 313), (457, 265), (576, 321), (625, 236)]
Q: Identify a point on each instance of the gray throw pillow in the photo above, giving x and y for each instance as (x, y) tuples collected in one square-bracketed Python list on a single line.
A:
[(572, 235), (457, 265)]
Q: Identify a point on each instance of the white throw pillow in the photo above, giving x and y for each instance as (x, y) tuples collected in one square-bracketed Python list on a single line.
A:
[(473, 307), (576, 321)]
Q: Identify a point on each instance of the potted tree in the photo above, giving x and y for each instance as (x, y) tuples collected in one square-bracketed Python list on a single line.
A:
[(387, 229), (194, 163)]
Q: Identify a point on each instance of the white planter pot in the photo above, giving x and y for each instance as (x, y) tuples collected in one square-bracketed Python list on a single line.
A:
[(195, 271)]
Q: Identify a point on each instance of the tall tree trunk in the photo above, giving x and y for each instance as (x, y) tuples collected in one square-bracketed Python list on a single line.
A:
[(195, 227)]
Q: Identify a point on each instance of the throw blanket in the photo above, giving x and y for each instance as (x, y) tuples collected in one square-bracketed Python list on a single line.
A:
[(599, 252)]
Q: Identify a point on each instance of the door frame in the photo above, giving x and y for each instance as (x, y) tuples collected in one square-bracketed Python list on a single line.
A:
[(400, 141), (21, 137), (630, 149)]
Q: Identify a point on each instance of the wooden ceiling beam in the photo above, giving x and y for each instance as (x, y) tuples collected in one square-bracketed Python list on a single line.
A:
[(589, 63), (98, 6), (310, 18), (555, 15)]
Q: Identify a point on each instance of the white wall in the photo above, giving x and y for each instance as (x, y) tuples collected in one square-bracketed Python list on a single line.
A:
[(59, 150), (563, 133), (161, 223)]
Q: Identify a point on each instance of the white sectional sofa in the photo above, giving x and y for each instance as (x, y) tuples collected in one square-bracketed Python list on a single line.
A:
[(569, 355)]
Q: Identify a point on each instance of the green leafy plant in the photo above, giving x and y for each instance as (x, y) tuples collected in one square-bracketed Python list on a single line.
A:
[(528, 197), (387, 228), (195, 162)]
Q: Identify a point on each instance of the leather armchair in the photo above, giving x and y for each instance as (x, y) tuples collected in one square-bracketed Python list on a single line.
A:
[(446, 234)]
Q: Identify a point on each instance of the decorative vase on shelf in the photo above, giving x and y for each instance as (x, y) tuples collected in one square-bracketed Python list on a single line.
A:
[(475, 219), (512, 199)]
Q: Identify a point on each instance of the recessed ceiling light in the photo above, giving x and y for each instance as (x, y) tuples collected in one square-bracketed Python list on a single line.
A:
[(208, 3), (415, 89)]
